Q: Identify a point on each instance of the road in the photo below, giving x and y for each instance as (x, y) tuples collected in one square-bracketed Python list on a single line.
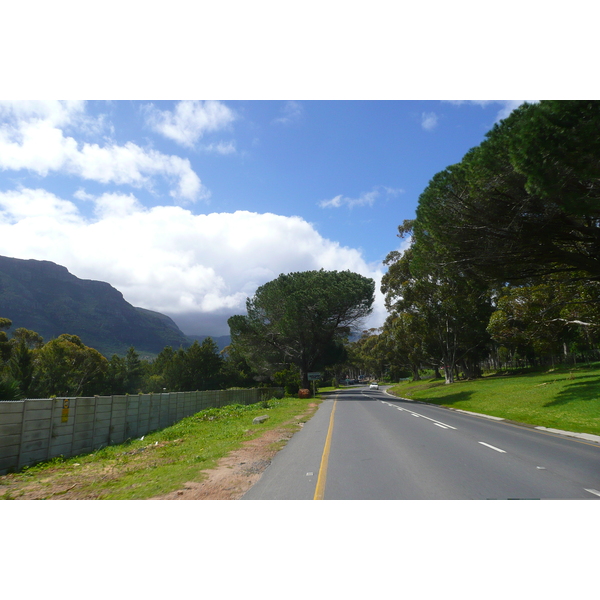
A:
[(366, 445)]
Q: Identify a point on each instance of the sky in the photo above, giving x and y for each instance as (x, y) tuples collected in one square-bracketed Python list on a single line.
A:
[(187, 207)]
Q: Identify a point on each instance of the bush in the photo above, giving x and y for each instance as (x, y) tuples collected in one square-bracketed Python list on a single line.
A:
[(10, 390)]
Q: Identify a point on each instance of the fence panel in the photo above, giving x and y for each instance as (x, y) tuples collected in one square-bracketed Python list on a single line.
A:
[(35, 430)]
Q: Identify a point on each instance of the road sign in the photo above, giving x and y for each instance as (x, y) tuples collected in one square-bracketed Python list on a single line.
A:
[(314, 376)]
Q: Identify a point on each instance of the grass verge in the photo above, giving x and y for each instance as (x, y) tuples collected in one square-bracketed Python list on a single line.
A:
[(561, 398), (158, 463)]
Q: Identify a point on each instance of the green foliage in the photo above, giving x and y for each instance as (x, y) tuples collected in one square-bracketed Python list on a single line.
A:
[(301, 319), (289, 379), (547, 316), (126, 375), (367, 354), (525, 202), (199, 367), (439, 312), (66, 367), (9, 389), (4, 345)]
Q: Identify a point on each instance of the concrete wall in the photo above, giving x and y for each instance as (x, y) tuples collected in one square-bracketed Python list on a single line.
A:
[(37, 430)]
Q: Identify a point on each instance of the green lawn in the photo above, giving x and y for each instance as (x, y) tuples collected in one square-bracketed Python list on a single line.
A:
[(559, 398)]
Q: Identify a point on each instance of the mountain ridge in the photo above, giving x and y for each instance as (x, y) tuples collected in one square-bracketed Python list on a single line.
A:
[(45, 297)]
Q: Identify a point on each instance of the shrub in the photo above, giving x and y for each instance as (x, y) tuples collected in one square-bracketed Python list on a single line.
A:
[(9, 389)]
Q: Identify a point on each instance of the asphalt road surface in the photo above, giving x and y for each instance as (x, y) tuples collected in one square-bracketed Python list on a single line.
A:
[(366, 445)]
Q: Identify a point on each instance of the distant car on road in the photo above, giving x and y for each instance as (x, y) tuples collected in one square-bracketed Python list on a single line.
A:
[(374, 386)]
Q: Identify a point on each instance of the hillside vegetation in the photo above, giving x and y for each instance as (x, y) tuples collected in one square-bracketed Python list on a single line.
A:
[(559, 398)]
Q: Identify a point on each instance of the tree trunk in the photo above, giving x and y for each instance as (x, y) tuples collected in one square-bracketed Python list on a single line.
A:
[(305, 383), (415, 372), (449, 374)]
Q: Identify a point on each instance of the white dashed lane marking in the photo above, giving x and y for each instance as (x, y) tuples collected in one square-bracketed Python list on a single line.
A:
[(414, 414), (492, 447)]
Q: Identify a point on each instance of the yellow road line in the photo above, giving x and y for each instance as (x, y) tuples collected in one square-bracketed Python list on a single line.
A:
[(320, 489)]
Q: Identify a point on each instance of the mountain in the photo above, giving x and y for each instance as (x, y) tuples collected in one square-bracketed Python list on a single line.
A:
[(44, 297)]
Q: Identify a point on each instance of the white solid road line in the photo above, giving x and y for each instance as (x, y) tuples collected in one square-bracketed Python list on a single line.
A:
[(593, 492), (492, 447)]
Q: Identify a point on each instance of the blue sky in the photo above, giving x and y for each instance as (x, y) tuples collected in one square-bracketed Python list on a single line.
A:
[(188, 206)]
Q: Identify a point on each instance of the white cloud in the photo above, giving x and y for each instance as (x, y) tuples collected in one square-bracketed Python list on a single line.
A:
[(291, 111), (116, 206), (166, 258), (507, 105), (365, 199), (429, 121), (32, 137), (221, 148), (190, 120), (405, 244), (54, 112)]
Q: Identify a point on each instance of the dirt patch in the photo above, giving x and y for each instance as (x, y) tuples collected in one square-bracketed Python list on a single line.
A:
[(237, 472)]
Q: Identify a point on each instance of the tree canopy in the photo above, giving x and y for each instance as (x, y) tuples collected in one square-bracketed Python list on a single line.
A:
[(525, 202), (301, 319)]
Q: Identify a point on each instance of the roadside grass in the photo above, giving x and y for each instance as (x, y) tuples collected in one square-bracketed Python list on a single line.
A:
[(566, 398), (158, 463)]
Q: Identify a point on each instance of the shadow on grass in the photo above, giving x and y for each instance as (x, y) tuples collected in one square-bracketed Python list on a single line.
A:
[(449, 399), (578, 390)]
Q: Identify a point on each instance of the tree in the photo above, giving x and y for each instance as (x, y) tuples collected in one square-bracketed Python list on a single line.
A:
[(446, 307), (134, 370), (21, 363), (236, 370), (403, 340), (525, 202), (125, 374), (4, 345), (301, 319), (116, 376), (203, 366), (199, 367), (66, 367), (367, 354), (16, 361), (547, 318)]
